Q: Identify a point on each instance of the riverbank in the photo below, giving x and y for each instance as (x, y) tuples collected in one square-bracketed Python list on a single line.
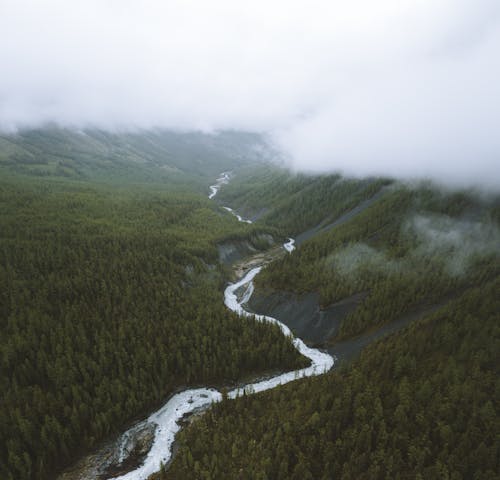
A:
[(167, 421)]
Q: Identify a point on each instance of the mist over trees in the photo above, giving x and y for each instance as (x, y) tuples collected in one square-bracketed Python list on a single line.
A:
[(110, 300)]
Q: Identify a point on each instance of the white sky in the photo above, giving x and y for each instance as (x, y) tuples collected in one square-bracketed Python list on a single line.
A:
[(395, 87)]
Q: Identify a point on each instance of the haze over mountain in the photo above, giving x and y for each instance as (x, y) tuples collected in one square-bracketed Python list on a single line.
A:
[(408, 89)]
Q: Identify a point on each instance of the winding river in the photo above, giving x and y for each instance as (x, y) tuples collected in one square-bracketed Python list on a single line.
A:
[(166, 418)]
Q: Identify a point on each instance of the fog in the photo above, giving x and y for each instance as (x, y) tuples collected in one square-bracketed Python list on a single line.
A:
[(402, 88), (355, 259), (456, 244), (460, 242)]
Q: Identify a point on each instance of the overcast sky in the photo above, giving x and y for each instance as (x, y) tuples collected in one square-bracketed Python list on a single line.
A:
[(408, 88)]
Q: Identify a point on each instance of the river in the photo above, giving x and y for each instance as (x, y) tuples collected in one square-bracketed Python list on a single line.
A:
[(165, 422)]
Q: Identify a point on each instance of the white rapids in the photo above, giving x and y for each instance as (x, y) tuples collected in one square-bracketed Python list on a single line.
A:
[(180, 404), (321, 362), (166, 420), (290, 245), (239, 217), (222, 180)]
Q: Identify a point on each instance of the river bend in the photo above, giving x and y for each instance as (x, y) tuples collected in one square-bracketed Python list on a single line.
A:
[(167, 417)]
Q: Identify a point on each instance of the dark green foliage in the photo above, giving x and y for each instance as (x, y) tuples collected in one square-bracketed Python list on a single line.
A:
[(401, 250), (183, 160), (110, 299), (423, 404), (295, 203)]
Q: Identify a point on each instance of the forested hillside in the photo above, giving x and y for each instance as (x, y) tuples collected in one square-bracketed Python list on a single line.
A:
[(110, 299), (422, 404), (413, 245), (293, 202), (183, 160), (249, 240)]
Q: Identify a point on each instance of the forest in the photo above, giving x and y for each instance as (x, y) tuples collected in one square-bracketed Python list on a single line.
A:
[(412, 246), (294, 202), (422, 404), (111, 300), (183, 161)]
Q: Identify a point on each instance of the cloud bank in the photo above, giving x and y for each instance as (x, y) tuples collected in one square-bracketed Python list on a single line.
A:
[(459, 242), (394, 87), (455, 244)]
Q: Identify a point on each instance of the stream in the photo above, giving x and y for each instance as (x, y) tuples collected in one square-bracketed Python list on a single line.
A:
[(165, 422)]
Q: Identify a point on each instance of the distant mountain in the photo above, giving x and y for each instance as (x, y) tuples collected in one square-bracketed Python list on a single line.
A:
[(153, 155)]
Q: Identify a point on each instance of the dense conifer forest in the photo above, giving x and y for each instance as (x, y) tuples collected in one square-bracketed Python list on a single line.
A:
[(110, 300), (250, 240), (295, 202), (185, 161), (412, 246), (422, 404)]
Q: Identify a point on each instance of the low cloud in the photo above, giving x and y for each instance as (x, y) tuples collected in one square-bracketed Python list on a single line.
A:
[(402, 88), (458, 242), (449, 243), (353, 260)]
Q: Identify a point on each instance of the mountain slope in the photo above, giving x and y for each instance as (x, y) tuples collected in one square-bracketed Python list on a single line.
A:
[(421, 404), (184, 160), (110, 297)]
